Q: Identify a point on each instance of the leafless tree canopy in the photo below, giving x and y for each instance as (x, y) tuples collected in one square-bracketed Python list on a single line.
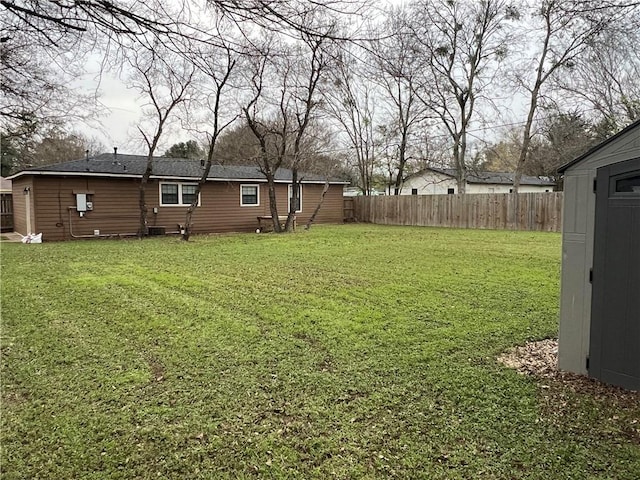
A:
[(432, 81)]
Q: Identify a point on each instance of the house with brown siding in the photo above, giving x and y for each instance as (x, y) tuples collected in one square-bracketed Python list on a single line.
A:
[(99, 196)]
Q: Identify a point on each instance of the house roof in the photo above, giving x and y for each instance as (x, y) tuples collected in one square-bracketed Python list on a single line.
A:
[(133, 166), (606, 142), (494, 178)]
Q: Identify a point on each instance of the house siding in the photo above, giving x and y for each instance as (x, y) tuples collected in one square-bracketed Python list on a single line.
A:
[(20, 204), (429, 183), (116, 212)]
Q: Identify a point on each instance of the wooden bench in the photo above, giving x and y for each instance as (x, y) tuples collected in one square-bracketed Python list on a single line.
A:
[(266, 221)]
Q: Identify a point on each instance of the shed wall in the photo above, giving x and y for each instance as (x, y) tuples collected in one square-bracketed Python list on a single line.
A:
[(577, 248)]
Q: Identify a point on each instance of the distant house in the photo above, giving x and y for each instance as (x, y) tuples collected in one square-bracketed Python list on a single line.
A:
[(436, 181), (100, 196)]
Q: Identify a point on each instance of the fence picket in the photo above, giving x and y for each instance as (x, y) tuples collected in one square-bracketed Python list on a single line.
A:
[(523, 211)]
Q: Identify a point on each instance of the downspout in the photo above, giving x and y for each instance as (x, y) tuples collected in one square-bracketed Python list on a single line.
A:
[(27, 199)]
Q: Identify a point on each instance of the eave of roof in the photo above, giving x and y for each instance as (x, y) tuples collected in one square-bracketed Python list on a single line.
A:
[(602, 144), (133, 166), (165, 177)]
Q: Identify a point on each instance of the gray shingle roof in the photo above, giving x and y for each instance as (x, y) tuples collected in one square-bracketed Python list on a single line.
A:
[(109, 164), (497, 178)]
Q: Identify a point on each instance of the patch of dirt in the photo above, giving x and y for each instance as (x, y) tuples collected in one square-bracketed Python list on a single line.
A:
[(534, 358), (157, 368), (540, 359)]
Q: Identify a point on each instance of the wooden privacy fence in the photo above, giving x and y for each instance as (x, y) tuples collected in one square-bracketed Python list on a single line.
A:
[(506, 211), (6, 212)]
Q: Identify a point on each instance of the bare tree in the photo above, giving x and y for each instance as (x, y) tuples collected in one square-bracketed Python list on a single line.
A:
[(50, 18), (217, 67), (44, 45), (562, 34), (281, 118), (460, 43), (605, 76), (396, 69), (165, 82), (43, 39), (351, 102), (36, 85)]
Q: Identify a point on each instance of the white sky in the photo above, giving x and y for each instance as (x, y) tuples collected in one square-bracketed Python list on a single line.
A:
[(121, 111)]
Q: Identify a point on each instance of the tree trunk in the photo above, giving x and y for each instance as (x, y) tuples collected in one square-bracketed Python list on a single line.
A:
[(143, 227), (273, 207), (325, 189), (293, 201)]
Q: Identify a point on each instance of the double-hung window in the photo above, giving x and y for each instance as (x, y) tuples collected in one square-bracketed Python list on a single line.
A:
[(249, 195), (181, 194), (188, 194)]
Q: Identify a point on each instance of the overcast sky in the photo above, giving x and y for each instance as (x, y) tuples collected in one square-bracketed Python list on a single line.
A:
[(122, 111)]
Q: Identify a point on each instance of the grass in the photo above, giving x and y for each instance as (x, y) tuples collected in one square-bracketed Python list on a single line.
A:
[(343, 352)]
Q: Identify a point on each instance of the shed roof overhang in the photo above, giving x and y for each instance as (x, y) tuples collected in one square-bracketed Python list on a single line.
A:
[(601, 145)]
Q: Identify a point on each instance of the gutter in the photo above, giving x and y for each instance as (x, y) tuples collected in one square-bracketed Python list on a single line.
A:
[(161, 177)]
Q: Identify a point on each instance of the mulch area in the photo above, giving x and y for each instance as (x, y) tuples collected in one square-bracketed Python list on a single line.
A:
[(540, 359), (562, 392)]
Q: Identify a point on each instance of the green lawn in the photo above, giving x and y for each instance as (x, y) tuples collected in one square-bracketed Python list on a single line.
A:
[(343, 352)]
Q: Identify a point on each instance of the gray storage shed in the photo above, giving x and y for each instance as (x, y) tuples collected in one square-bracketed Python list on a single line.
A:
[(600, 291)]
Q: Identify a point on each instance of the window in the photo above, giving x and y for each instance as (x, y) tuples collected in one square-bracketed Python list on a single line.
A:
[(188, 194), (298, 206), (628, 184), (414, 191), (181, 194), (169, 194), (451, 191), (249, 195)]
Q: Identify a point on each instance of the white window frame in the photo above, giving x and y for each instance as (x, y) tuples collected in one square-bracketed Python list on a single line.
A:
[(290, 195), (257, 187), (180, 185)]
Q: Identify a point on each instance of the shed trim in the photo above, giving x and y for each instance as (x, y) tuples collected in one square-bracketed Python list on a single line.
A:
[(593, 150)]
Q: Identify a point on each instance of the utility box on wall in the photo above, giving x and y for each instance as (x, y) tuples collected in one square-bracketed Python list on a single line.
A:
[(84, 202), (600, 305), (81, 202)]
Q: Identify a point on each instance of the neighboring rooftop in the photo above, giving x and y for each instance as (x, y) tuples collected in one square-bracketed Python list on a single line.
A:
[(109, 164), (498, 178)]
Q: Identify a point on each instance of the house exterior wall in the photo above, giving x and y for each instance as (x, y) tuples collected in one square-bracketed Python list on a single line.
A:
[(116, 212), (429, 183), (502, 188), (577, 249), (434, 183), (21, 203)]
